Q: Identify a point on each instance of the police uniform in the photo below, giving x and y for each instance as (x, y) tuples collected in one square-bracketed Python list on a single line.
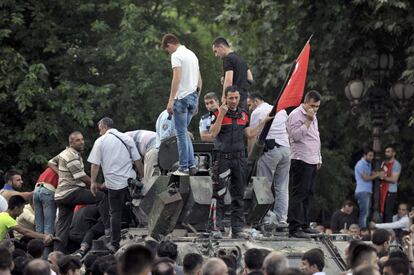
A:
[(231, 155), (205, 122)]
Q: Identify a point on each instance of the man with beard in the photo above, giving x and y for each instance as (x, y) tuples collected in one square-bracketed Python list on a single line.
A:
[(212, 104), (73, 188), (389, 180), (229, 128), (363, 192)]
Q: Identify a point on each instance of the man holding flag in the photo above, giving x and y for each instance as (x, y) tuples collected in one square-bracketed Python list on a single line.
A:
[(306, 158)]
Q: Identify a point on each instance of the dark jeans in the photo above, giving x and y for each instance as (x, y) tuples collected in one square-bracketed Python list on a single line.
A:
[(117, 200), (66, 206), (301, 188), (389, 207), (238, 178)]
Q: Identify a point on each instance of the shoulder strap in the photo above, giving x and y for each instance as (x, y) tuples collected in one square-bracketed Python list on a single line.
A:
[(130, 155)]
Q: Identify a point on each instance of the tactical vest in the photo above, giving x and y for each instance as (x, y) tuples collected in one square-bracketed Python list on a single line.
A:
[(231, 136)]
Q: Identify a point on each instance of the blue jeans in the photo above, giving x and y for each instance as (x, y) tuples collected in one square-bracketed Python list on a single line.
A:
[(364, 203), (45, 210), (183, 112)]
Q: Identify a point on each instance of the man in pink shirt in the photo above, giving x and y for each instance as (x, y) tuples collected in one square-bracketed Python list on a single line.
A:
[(306, 159)]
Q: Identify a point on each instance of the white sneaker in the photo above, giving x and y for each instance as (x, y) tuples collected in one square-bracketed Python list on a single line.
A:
[(179, 172)]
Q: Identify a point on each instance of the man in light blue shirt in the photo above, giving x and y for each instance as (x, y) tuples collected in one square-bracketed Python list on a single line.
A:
[(363, 191)]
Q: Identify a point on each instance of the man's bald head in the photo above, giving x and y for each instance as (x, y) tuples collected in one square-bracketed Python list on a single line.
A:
[(214, 266), (37, 267), (76, 141), (275, 263)]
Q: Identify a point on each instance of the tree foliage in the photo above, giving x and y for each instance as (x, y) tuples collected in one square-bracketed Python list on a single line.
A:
[(65, 64)]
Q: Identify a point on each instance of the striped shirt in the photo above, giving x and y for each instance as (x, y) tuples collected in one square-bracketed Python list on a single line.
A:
[(71, 169)]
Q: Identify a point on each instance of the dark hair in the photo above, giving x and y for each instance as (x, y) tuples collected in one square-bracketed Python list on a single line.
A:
[(292, 271), (9, 175), (256, 96), (163, 266), (398, 266), (231, 89), (312, 94), (6, 260), (152, 245), (102, 263), (380, 236), (220, 41), (191, 261), (169, 38), (399, 254), (366, 150), (69, 263), (211, 95), (88, 262), (136, 259), (16, 201), (230, 261), (107, 122), (19, 252), (392, 147), (167, 249), (365, 270), (359, 254), (20, 264), (253, 258), (37, 267), (315, 257), (112, 270), (35, 248), (348, 203)]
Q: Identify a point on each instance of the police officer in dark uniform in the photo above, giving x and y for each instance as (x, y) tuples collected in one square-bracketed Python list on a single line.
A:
[(212, 104), (230, 165)]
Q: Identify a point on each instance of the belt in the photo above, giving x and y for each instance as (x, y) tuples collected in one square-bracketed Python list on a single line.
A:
[(233, 155), (270, 144), (48, 186)]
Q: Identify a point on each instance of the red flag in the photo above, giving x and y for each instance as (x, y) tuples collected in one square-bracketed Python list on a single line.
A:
[(293, 93)]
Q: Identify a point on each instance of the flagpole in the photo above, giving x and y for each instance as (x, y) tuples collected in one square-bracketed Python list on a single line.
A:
[(259, 145)]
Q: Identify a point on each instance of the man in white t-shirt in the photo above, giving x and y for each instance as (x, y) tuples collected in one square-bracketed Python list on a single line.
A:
[(183, 101), (275, 161), (115, 152)]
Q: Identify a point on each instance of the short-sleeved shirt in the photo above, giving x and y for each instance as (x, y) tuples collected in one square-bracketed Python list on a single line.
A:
[(205, 122), (362, 185), (164, 127), (71, 169), (3, 204), (6, 222), (233, 62), (115, 158), (278, 130), (190, 72), (144, 140), (396, 168), (8, 187)]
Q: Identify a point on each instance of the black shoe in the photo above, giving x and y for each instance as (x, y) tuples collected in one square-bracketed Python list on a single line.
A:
[(240, 235), (193, 170), (112, 248), (299, 234), (311, 230)]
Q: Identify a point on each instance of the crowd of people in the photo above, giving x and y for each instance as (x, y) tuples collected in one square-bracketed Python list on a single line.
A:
[(69, 207)]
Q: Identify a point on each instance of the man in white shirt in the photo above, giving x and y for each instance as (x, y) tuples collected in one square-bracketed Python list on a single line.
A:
[(183, 101), (115, 152), (275, 161), (313, 262), (401, 221)]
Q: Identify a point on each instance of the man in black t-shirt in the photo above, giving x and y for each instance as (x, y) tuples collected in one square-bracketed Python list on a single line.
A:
[(344, 217), (236, 71)]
